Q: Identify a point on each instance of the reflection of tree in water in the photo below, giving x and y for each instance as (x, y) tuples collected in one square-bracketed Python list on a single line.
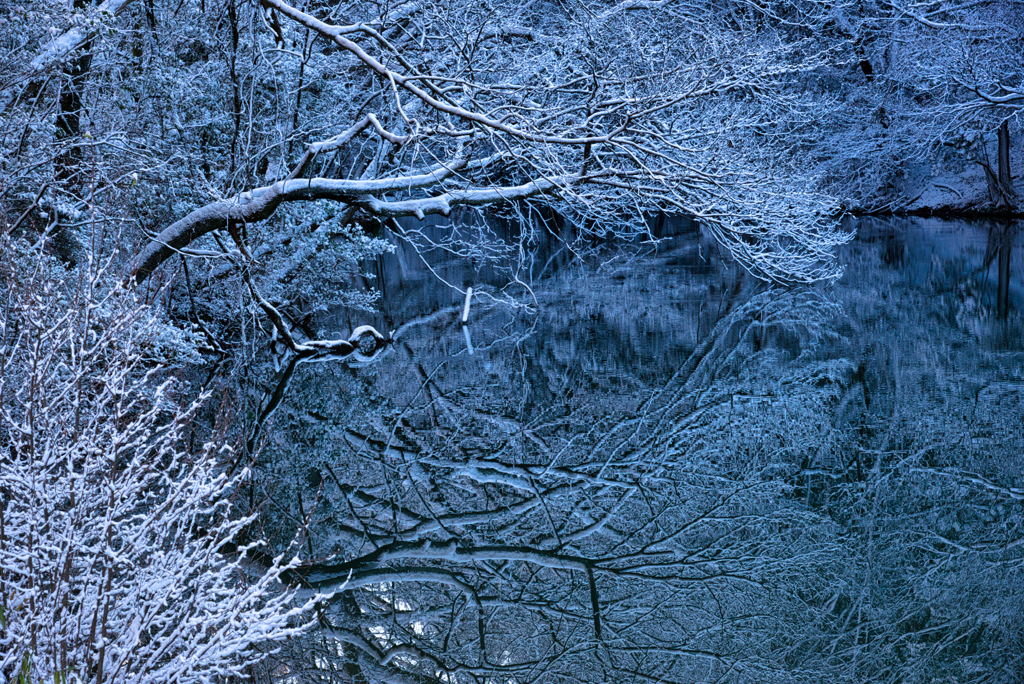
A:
[(476, 535), (934, 421), (978, 258), (813, 488)]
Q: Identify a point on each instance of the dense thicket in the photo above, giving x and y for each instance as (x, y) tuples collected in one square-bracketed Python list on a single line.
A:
[(123, 557), (223, 168)]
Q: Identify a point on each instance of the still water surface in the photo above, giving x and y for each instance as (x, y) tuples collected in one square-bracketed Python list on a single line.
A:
[(636, 318), (655, 465)]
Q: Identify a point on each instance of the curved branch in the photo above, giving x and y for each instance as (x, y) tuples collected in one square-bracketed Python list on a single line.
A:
[(261, 203), (449, 551)]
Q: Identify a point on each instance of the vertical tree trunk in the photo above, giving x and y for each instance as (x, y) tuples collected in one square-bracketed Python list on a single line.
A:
[(992, 180), (1000, 179), (307, 53), (236, 96), (1003, 291), (70, 106), (67, 167), (1005, 176), (69, 115)]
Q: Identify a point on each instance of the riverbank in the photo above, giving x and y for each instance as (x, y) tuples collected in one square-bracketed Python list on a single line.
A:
[(950, 187)]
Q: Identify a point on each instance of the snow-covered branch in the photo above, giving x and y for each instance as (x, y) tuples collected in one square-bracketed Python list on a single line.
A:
[(119, 553), (603, 139)]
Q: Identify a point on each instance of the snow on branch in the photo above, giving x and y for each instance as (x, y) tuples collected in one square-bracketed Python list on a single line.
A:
[(121, 557), (603, 139), (62, 46)]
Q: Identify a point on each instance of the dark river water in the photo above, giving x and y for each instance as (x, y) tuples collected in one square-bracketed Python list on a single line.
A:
[(629, 320), (650, 466)]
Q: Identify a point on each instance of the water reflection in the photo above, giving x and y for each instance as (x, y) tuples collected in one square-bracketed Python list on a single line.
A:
[(658, 470), (980, 253)]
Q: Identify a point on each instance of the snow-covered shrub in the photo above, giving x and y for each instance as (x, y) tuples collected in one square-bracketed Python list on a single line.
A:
[(121, 555)]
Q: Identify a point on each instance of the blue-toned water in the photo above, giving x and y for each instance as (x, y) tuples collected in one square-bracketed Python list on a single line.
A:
[(648, 466)]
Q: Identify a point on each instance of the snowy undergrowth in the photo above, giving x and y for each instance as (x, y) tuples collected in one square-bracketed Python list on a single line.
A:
[(122, 557)]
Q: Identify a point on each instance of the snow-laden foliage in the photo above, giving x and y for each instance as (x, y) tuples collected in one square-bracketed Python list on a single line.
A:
[(121, 556), (925, 86), (202, 128)]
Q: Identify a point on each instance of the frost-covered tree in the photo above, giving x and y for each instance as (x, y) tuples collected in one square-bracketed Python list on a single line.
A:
[(122, 555), (931, 82), (283, 131), (962, 63), (607, 112)]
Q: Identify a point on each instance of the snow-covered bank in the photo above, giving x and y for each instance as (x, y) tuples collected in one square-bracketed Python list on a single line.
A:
[(953, 185)]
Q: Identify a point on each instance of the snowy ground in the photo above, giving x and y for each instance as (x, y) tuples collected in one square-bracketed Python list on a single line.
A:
[(954, 186)]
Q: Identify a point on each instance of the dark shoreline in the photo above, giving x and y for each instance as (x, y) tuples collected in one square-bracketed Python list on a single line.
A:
[(946, 213)]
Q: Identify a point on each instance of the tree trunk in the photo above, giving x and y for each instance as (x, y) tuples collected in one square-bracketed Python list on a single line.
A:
[(67, 168), (1005, 176), (69, 116), (1000, 179), (1003, 288)]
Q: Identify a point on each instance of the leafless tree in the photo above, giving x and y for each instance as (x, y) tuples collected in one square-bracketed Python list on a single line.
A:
[(121, 557)]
